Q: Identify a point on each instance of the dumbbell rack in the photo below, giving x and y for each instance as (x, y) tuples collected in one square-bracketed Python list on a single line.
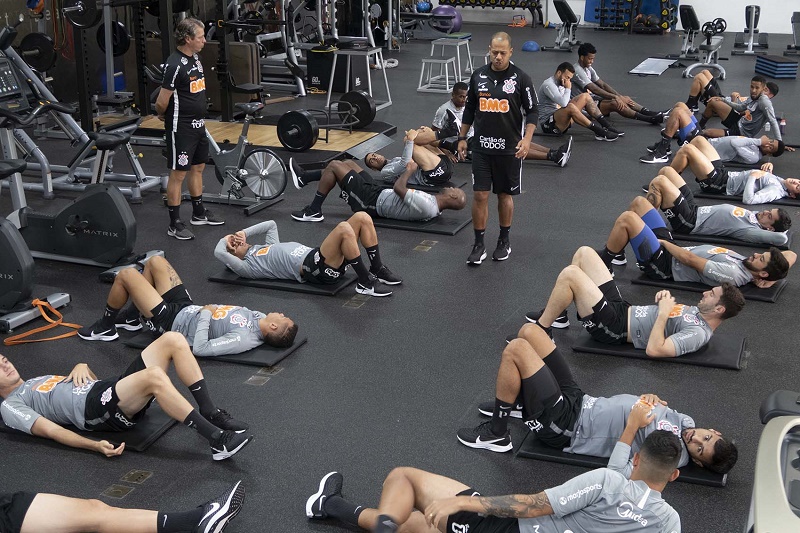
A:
[(657, 23), (613, 14)]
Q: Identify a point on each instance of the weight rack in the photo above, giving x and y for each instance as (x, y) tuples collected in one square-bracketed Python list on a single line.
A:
[(613, 14)]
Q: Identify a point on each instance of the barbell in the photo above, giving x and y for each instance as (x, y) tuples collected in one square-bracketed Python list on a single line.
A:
[(298, 130), (87, 13), (38, 51)]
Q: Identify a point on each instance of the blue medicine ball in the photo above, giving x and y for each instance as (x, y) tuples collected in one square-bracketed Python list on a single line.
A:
[(424, 7)]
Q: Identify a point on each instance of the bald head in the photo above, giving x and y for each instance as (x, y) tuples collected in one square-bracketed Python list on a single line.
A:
[(501, 36)]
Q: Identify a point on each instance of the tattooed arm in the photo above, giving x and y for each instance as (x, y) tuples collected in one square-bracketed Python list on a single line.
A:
[(512, 506)]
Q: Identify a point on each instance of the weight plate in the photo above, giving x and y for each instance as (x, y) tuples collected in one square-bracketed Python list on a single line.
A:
[(361, 110), (120, 39), (38, 51), (82, 13), (298, 131)]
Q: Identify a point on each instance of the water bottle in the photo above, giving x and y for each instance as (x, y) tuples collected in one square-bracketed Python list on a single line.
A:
[(783, 125)]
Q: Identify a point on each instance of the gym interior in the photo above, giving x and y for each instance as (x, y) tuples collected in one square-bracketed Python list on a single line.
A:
[(386, 382)]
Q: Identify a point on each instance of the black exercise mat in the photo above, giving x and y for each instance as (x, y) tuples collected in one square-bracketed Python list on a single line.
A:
[(749, 291), (444, 224), (722, 351), (226, 276), (727, 241), (148, 430), (263, 355), (531, 448), (737, 198), (433, 189)]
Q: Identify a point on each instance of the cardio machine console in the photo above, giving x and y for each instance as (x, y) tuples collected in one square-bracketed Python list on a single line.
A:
[(11, 92)]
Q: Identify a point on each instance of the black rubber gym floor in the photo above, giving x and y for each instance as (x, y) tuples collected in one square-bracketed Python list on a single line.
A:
[(389, 383)]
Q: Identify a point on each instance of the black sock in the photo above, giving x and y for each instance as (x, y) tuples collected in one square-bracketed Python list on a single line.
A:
[(310, 175), (479, 233), (198, 422), (316, 203), (551, 154), (179, 521), (692, 101), (597, 128), (198, 209), (386, 524), (603, 121), (360, 269), (204, 403), (374, 256), (652, 119), (606, 255), (649, 112), (343, 510), (702, 122), (109, 315), (504, 232), (502, 410), (174, 214)]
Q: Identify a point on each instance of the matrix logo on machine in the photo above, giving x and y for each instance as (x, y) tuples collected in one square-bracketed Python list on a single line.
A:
[(492, 143), (625, 510), (493, 105), (4, 275)]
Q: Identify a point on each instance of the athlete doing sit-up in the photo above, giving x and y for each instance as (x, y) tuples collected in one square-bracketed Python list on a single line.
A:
[(42, 405), (736, 149), (681, 124), (294, 261), (416, 501), (159, 296), (668, 192), (534, 382), (743, 117)]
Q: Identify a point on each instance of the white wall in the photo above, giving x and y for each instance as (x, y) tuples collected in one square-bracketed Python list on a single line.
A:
[(775, 14)]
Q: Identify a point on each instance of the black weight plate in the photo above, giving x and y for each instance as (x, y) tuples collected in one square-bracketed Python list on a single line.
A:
[(363, 109), (87, 16), (298, 131), (120, 39), (44, 55)]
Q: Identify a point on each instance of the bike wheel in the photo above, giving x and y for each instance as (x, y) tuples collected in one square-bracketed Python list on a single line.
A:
[(264, 173)]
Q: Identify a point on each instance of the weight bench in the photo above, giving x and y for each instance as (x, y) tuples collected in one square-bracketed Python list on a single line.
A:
[(531, 448), (263, 355), (566, 38), (444, 224), (791, 202), (728, 241), (722, 351), (710, 49), (749, 291), (148, 430), (427, 26), (691, 28), (226, 276)]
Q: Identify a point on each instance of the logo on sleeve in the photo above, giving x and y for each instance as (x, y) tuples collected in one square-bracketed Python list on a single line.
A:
[(563, 500)]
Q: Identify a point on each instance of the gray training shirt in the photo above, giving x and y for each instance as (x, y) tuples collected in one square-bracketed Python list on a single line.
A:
[(737, 149), (604, 501), (602, 421), (553, 97), (761, 111), (47, 396), (687, 329), (231, 329), (417, 205), (582, 78), (756, 186), (397, 165), (271, 260), (737, 222), (722, 265)]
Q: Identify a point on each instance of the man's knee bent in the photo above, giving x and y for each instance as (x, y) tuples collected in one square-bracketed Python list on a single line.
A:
[(361, 218), (584, 253)]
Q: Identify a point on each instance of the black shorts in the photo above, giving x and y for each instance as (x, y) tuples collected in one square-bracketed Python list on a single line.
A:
[(187, 147), (716, 181), (466, 521), (732, 123), (608, 322), (498, 173), (174, 300), (360, 192), (659, 266), (549, 126), (554, 425), (13, 508), (683, 215), (440, 174), (316, 271), (101, 411)]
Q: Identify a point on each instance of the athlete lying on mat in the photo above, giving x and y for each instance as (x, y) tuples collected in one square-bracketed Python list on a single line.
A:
[(604, 499), (294, 261), (743, 117), (362, 194), (435, 165), (159, 295), (534, 382), (30, 512), (735, 149), (709, 264), (665, 329), (42, 405), (670, 193), (681, 124)]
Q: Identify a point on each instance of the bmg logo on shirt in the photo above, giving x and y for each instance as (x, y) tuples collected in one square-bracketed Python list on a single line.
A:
[(493, 105), (197, 86)]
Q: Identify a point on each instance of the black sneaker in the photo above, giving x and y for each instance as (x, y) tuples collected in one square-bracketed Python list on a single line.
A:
[(206, 219), (487, 409), (294, 171), (180, 232), (658, 156), (608, 135), (564, 152), (228, 443), (619, 133), (653, 147), (646, 188), (307, 215), (217, 513), (450, 126), (371, 289), (98, 332), (129, 320), (502, 251), (330, 485), (561, 321), (620, 259), (478, 255), (482, 437), (223, 420), (386, 276)]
